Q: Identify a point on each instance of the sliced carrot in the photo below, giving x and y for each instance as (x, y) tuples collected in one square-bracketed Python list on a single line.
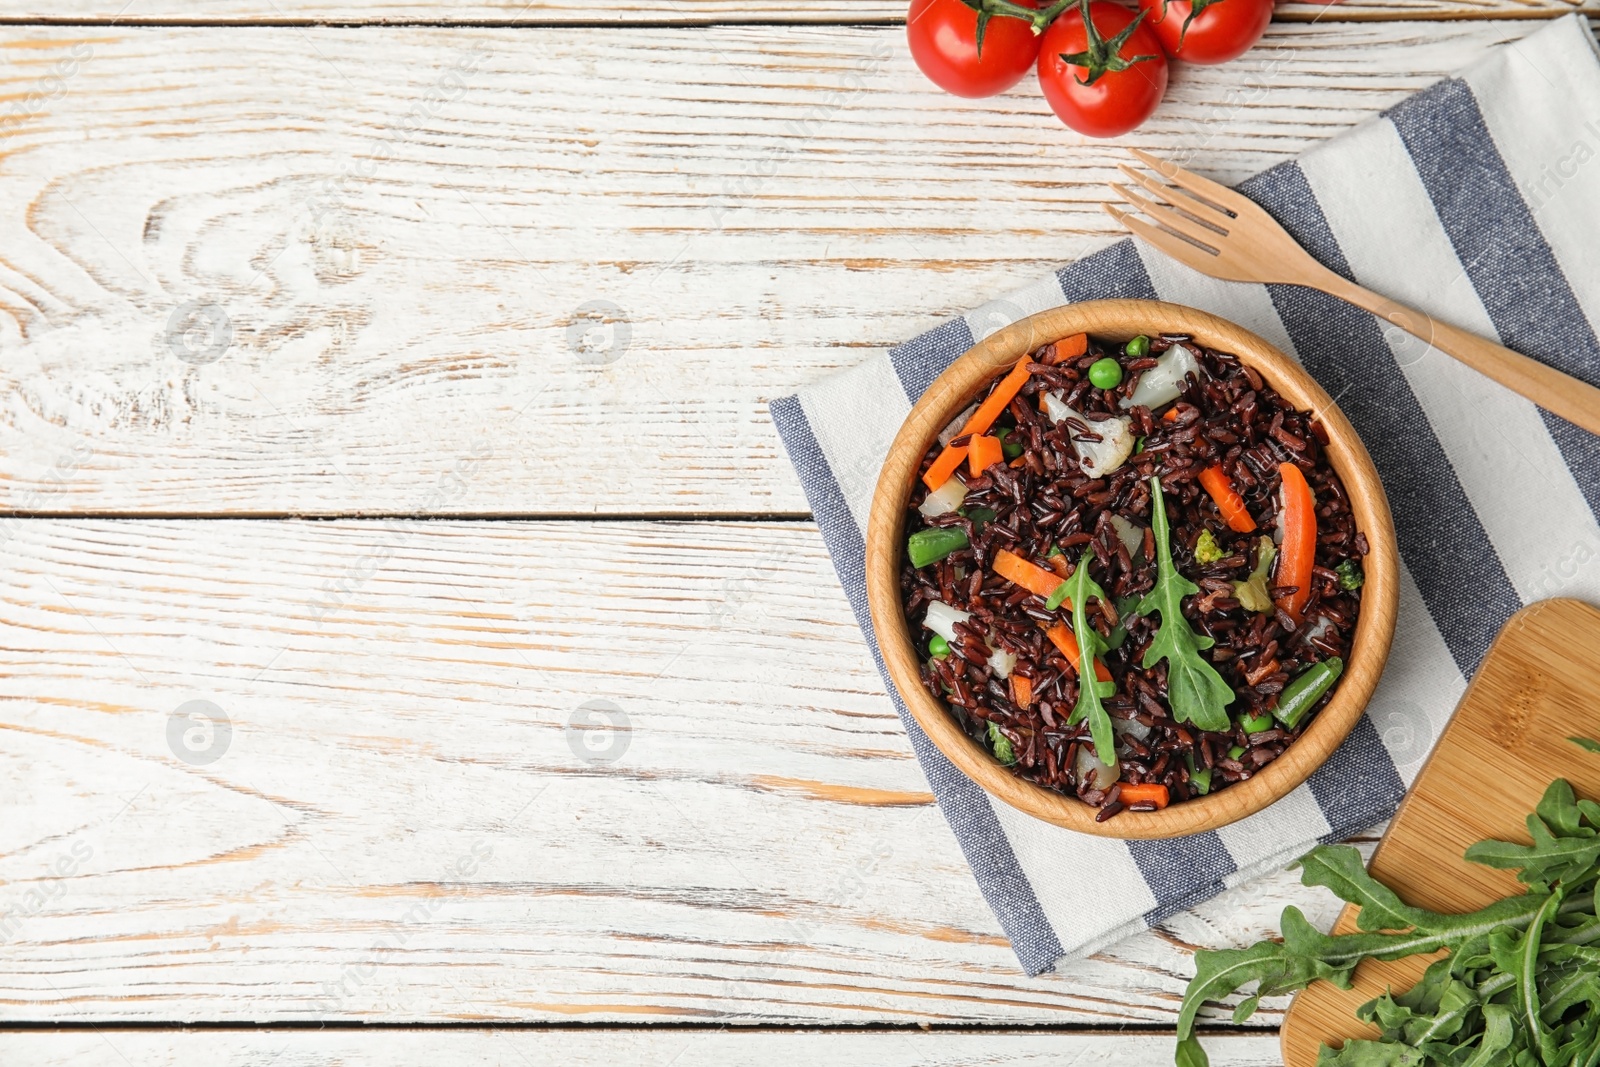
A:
[(1033, 578), (1229, 502), (1070, 348), (983, 451), (1021, 691), (945, 466), (1298, 553), (1170, 416), (992, 408), (979, 423), (1148, 793), (1058, 563), (1062, 638)]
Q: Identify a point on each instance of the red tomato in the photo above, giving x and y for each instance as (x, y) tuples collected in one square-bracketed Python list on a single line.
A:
[(1123, 63), (944, 42), (1222, 29)]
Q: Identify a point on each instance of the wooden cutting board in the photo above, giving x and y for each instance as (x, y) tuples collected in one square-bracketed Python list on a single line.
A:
[(1539, 685)]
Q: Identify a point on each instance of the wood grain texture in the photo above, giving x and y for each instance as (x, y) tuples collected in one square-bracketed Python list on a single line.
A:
[(412, 247), (970, 377), (417, 812), (677, 11), (1539, 685), (602, 1048)]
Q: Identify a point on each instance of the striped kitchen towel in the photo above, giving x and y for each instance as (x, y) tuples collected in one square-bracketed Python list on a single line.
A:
[(1475, 200)]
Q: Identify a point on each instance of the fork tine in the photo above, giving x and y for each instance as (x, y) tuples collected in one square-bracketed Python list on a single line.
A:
[(1190, 255), (1207, 213), (1220, 195), (1170, 219)]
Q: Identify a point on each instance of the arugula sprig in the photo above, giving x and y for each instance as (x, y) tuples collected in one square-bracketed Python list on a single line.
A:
[(1195, 691), (1520, 986), (1080, 587)]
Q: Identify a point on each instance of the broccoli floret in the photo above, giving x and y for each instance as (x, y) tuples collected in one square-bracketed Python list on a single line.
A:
[(1350, 576), (1001, 745), (1206, 549)]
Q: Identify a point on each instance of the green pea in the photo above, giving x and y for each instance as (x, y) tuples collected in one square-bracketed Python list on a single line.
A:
[(1137, 348), (938, 647), (1105, 373)]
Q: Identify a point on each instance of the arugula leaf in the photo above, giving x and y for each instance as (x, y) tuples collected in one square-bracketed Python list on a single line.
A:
[(1559, 810), (1458, 1002), (1359, 1053), (1519, 956), (1080, 587), (1590, 812), (1428, 994), (1498, 1033), (1195, 691), (1434, 1010), (1588, 744), (1520, 986), (1568, 991), (1341, 869), (1549, 859), (1581, 1047), (1275, 966), (1190, 1054)]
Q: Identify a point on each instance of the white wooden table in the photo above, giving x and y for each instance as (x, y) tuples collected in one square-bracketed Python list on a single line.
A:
[(408, 614)]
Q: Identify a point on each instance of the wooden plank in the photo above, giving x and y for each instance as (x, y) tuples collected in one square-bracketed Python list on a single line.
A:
[(678, 12), (261, 771), (580, 1048), (396, 239)]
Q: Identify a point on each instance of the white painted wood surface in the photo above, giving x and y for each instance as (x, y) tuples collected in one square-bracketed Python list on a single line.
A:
[(677, 11), (109, 1047), (402, 822), (400, 227)]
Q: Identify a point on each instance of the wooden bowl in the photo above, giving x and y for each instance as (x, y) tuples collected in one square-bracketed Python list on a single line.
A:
[(1120, 320)]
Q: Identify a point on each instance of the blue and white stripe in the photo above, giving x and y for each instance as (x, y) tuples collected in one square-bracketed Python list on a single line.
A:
[(1472, 200)]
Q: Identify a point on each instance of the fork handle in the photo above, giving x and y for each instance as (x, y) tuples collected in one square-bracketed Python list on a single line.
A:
[(1576, 401)]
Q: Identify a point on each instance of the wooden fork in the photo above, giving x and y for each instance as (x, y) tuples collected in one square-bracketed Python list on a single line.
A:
[(1227, 235)]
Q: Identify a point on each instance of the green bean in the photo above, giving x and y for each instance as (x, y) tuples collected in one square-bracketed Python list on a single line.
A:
[(1303, 693), (932, 545), (1254, 724)]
